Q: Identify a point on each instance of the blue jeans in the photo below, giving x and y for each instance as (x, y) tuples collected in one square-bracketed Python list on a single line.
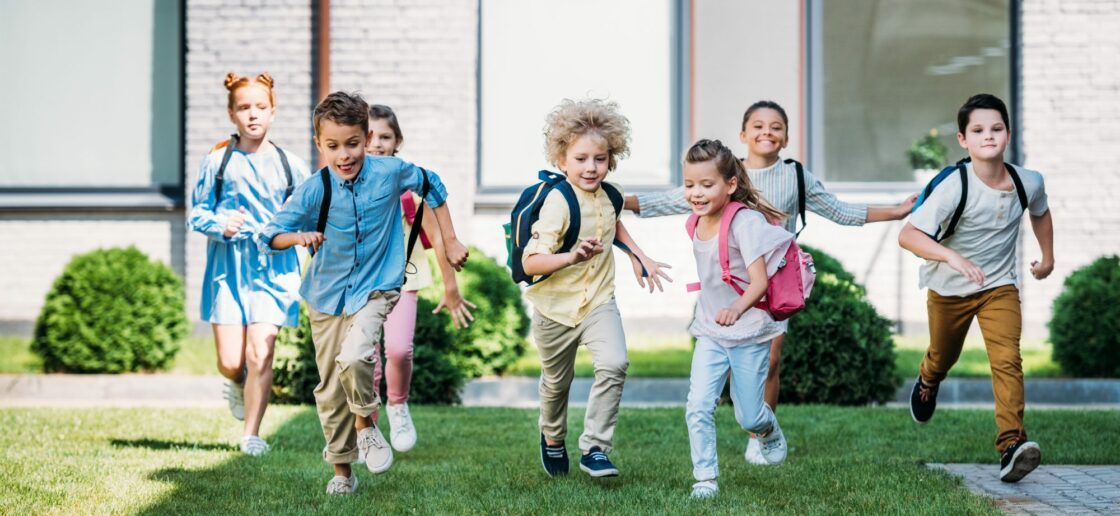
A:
[(711, 362)]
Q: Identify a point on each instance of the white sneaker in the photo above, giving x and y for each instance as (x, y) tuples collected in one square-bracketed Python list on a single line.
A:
[(705, 489), (401, 432), (773, 445), (754, 453), (234, 393), (343, 485), (253, 445), (373, 450)]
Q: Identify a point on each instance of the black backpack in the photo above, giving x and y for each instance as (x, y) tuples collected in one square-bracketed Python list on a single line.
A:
[(800, 193), (528, 209), (961, 170), (413, 235), (220, 178)]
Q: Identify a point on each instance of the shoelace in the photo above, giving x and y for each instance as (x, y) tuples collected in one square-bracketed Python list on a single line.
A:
[(599, 456), (338, 484), (370, 439), (403, 419), (555, 452), (925, 393), (255, 446), (233, 393)]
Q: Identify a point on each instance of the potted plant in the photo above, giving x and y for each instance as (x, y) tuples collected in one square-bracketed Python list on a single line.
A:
[(927, 155)]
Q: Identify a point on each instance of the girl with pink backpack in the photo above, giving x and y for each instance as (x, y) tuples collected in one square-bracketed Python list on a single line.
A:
[(742, 257)]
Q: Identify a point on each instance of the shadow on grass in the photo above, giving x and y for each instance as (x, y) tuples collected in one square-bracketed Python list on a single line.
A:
[(159, 444)]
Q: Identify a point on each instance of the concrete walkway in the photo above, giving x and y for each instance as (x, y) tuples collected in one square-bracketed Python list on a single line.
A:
[(1047, 490)]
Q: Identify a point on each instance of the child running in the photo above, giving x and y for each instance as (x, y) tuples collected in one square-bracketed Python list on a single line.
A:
[(355, 276), (246, 295), (386, 139), (575, 305), (970, 270), (731, 334), (765, 132)]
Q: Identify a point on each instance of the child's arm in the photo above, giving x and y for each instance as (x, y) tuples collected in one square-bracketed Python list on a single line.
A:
[(287, 227), (668, 202), (455, 303), (639, 259), (1043, 227), (541, 264), (914, 240), (204, 218), (412, 178), (897, 212), (756, 271)]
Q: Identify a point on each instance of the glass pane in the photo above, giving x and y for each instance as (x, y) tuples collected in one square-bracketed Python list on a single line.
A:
[(98, 101), (535, 53), (895, 69)]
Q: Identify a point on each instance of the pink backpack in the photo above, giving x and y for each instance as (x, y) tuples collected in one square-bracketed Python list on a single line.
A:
[(788, 288)]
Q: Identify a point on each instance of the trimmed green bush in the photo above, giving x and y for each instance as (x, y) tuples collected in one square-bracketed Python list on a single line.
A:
[(497, 337), (1085, 325), (111, 311), (294, 374), (838, 350)]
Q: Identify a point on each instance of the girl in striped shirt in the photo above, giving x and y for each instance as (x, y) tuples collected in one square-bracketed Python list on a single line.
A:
[(765, 131)]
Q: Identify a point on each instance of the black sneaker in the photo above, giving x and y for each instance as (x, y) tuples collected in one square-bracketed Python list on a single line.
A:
[(554, 458), (596, 464), (1018, 460), (923, 401)]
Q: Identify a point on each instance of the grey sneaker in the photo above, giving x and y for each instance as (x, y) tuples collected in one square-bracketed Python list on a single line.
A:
[(773, 445), (253, 445), (234, 393), (343, 485), (373, 450), (705, 489)]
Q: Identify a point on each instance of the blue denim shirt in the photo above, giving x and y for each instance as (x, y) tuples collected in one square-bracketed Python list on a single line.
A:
[(363, 250)]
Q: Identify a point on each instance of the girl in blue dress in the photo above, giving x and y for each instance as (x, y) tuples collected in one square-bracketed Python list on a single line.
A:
[(246, 295)]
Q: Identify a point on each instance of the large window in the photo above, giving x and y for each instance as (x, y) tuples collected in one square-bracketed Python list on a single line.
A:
[(886, 72), (92, 94), (533, 53)]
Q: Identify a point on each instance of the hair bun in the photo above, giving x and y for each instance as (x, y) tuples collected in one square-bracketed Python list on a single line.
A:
[(266, 79), (231, 79)]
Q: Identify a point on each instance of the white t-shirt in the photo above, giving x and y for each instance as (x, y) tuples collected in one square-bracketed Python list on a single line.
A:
[(749, 238), (986, 233)]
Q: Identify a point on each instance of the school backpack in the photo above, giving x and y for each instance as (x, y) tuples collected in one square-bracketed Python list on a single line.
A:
[(325, 208), (961, 170), (528, 209), (800, 193), (221, 176), (408, 205), (788, 288)]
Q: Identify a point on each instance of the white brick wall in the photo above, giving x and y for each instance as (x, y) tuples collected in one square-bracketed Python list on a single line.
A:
[(247, 37)]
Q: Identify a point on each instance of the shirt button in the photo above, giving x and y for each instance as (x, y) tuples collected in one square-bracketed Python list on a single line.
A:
[(349, 286)]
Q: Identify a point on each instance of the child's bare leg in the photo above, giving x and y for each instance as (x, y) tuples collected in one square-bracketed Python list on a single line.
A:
[(229, 340), (342, 470), (258, 386)]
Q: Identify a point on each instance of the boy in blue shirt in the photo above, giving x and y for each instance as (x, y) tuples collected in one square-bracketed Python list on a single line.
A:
[(355, 277)]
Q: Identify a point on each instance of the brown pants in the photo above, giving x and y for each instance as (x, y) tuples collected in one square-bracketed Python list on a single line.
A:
[(1001, 323), (346, 356)]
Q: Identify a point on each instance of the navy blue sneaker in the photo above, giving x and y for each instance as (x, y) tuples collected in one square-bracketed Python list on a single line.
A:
[(596, 464), (554, 458), (923, 401), (1018, 460)]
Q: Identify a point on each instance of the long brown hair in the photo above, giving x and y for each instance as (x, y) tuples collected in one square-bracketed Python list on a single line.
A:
[(730, 167)]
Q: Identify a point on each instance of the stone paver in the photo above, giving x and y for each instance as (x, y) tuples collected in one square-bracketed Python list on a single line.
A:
[(1047, 490)]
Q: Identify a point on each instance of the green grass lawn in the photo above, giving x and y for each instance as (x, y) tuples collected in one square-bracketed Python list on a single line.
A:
[(474, 460), (196, 356)]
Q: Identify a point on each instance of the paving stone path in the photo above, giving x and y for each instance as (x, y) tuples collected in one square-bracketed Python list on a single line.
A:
[(1047, 490)]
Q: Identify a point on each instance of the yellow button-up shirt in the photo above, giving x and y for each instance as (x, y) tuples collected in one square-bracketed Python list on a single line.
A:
[(571, 293)]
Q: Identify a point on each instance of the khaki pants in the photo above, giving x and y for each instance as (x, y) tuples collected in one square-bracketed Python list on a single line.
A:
[(1001, 323), (346, 356), (602, 333)]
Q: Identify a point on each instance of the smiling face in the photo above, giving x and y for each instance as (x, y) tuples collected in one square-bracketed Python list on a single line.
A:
[(383, 140), (985, 136), (765, 133), (706, 191), (252, 112), (585, 162), (342, 147)]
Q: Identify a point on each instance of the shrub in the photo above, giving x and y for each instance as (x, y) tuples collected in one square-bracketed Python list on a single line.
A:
[(435, 380), (497, 337), (927, 152), (1085, 325), (839, 349), (111, 311)]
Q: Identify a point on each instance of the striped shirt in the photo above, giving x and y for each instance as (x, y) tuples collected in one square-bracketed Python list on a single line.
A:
[(778, 184)]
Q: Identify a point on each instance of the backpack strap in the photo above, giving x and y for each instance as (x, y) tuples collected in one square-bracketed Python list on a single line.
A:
[(554, 181), (800, 192), (287, 171), (617, 201), (414, 232), (1022, 192), (221, 176), (324, 205), (962, 171), (725, 218)]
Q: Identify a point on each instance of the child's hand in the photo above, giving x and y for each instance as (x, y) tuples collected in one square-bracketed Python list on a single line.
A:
[(1040, 270), (967, 269), (653, 268), (729, 316), (905, 207), (233, 225), (586, 250), (456, 305), (456, 253), (312, 239)]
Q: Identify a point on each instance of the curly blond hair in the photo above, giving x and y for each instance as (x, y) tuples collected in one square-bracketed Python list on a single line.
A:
[(572, 119)]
